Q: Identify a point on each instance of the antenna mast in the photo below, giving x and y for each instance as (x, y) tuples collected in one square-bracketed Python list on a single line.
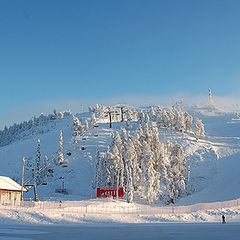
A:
[(210, 99)]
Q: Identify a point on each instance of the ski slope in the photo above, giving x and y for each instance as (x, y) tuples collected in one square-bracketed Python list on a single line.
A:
[(213, 160)]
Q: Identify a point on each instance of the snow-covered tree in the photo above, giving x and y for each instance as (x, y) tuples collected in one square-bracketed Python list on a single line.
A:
[(199, 130), (188, 121), (86, 124), (152, 114), (129, 185), (101, 171), (60, 150), (93, 119), (150, 182), (78, 128), (176, 171), (180, 121), (37, 164), (143, 165), (45, 171)]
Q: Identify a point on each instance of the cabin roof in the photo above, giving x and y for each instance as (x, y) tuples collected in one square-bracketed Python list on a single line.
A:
[(7, 183)]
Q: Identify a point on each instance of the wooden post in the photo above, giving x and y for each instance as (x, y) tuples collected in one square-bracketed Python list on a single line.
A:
[(24, 160), (110, 119)]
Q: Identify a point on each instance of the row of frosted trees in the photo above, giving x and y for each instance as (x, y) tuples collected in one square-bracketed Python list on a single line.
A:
[(17, 131), (172, 118), (143, 166)]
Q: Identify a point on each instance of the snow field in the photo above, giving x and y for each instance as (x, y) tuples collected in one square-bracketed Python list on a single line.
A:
[(214, 162), (118, 211)]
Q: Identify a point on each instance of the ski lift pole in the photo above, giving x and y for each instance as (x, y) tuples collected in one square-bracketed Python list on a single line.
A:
[(24, 160), (110, 119)]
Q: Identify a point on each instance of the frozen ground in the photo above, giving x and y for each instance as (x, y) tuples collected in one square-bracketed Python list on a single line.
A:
[(214, 162), (122, 231), (102, 211)]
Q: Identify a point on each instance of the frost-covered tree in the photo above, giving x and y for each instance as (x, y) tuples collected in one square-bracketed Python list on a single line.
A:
[(152, 114), (180, 121), (176, 171), (93, 119), (149, 175), (188, 121), (101, 171), (112, 165), (130, 188), (199, 130), (141, 118), (165, 119), (78, 128), (143, 165), (37, 164), (60, 150), (36, 125), (45, 170), (86, 124)]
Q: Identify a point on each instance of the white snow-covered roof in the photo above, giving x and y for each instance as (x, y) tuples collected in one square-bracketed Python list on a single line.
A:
[(7, 183)]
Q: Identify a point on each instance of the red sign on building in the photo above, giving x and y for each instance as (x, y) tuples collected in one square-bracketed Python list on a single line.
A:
[(109, 191)]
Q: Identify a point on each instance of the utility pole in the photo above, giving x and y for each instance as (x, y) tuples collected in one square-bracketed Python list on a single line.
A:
[(24, 161)]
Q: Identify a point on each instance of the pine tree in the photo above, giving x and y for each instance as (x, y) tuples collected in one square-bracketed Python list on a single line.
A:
[(129, 185), (60, 150), (180, 121), (98, 172), (176, 172), (152, 113), (86, 124), (141, 118), (113, 159), (37, 165), (171, 117), (198, 128), (136, 171), (93, 119), (165, 119), (45, 168), (77, 125), (148, 174), (188, 121), (159, 119)]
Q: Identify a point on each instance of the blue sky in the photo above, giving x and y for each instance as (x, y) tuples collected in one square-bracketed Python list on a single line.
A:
[(59, 51)]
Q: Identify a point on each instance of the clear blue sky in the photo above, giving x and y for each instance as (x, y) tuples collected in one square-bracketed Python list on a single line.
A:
[(53, 50)]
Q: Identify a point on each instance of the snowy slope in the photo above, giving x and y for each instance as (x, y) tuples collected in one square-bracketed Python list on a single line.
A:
[(213, 160)]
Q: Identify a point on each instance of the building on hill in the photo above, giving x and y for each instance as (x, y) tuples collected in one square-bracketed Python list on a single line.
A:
[(10, 191)]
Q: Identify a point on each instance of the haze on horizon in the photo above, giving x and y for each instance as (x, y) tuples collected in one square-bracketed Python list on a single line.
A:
[(56, 54)]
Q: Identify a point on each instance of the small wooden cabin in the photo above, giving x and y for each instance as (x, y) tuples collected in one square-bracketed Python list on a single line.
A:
[(10, 191)]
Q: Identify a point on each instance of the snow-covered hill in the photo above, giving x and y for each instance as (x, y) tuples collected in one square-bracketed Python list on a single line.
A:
[(213, 160)]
